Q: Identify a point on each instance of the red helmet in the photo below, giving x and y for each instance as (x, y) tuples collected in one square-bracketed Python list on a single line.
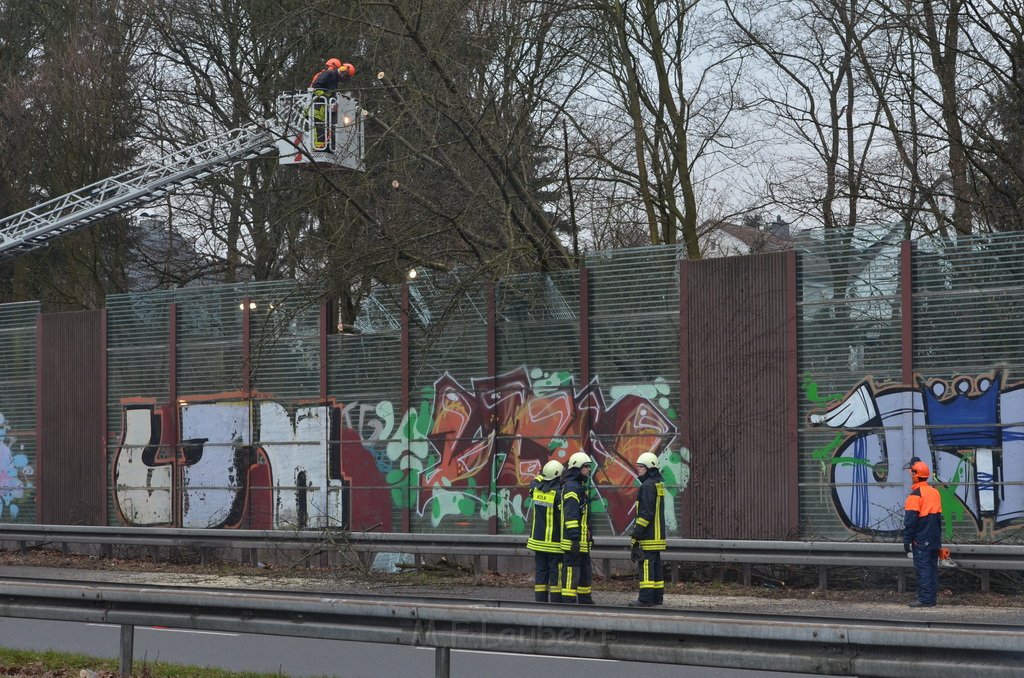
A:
[(349, 68), (334, 63)]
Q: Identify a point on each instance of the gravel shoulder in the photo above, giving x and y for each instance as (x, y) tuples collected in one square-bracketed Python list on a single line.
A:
[(867, 594)]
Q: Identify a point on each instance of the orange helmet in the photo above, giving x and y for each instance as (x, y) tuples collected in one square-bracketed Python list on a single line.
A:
[(918, 468), (334, 63), (350, 68)]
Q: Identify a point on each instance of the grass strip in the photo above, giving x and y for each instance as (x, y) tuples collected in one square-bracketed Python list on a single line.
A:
[(62, 664)]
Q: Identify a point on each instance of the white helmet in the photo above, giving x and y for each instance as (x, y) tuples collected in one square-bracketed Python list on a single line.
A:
[(648, 459), (552, 470), (579, 460)]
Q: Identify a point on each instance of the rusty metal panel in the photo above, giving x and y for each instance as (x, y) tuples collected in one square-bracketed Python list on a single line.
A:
[(71, 416), (738, 400)]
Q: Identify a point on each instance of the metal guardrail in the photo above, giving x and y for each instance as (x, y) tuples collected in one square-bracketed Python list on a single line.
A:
[(983, 558), (730, 640)]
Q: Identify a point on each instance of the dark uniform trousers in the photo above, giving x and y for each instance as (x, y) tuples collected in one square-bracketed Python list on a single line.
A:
[(577, 578), (547, 577), (652, 578), (926, 565)]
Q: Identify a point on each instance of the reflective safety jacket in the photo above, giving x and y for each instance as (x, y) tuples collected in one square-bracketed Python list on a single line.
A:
[(649, 528), (922, 522), (546, 533), (575, 511)]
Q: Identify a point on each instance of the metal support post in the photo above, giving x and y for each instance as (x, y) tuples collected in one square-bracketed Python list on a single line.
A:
[(986, 581), (746, 574), (127, 645), (442, 662), (822, 578)]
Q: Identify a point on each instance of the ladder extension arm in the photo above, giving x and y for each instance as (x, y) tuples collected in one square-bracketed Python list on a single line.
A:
[(34, 227)]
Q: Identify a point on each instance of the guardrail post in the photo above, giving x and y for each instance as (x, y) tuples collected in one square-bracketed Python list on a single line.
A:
[(127, 648), (674, 570), (746, 574), (901, 582), (442, 662), (986, 580), (822, 578)]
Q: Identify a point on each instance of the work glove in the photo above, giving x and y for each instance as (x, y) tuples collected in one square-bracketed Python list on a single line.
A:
[(906, 548), (574, 547), (636, 554)]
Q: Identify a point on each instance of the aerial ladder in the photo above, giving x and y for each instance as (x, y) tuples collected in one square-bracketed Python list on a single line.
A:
[(307, 131)]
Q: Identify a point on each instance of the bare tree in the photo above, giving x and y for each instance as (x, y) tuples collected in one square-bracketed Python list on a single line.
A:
[(675, 97)]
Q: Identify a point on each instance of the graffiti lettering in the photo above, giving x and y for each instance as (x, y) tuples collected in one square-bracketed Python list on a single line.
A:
[(967, 429), (464, 454)]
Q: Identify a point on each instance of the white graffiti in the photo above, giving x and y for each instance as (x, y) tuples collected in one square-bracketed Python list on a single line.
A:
[(217, 451), (969, 433)]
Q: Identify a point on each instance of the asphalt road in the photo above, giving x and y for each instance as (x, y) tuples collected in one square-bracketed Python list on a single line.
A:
[(306, 657)]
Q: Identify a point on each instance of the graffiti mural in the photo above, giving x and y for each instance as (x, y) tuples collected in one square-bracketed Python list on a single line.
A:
[(968, 429), (460, 454), (473, 451), (15, 474)]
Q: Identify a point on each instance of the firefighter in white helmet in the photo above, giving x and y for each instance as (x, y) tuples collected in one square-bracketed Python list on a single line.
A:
[(577, 572), (648, 536), (546, 532)]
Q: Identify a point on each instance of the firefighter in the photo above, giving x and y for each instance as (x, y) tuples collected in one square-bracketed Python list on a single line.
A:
[(648, 536), (546, 534), (577, 572), (332, 76), (324, 87), (922, 531)]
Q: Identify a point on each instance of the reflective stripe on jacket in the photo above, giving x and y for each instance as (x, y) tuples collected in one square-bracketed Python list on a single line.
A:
[(546, 532), (922, 522), (650, 512), (575, 511)]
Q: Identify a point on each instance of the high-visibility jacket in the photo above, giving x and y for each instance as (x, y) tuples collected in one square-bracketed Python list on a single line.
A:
[(575, 511), (546, 531), (922, 522), (649, 527)]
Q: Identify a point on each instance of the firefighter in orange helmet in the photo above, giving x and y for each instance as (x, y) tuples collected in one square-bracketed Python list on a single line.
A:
[(922, 531), (324, 87), (332, 76)]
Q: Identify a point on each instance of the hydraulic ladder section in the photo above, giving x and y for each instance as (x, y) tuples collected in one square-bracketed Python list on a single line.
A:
[(289, 136), (32, 228)]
